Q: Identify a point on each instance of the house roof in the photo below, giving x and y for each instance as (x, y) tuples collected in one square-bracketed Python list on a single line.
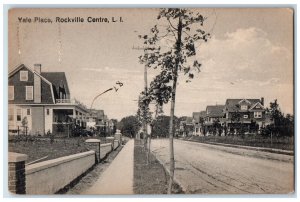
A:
[(233, 105), (215, 110), (99, 113), (58, 79), (198, 115), (187, 120)]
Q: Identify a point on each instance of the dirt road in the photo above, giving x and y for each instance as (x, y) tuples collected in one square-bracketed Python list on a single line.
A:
[(203, 168)]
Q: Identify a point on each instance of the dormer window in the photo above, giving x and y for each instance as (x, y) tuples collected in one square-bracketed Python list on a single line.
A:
[(23, 75), (244, 107)]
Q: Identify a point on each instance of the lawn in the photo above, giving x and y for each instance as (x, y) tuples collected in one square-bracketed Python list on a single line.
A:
[(285, 143), (151, 178), (39, 147)]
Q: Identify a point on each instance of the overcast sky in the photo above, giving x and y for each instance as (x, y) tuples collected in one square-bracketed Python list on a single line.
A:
[(250, 55)]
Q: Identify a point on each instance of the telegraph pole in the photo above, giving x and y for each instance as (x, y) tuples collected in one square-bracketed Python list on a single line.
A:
[(145, 128)]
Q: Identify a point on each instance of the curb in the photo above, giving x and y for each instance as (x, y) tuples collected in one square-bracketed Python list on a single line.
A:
[(264, 149), (175, 180)]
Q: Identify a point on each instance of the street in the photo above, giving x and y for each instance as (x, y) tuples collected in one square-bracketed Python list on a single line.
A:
[(203, 168)]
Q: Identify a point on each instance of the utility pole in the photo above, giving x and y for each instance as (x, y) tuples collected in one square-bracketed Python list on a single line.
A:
[(145, 128)]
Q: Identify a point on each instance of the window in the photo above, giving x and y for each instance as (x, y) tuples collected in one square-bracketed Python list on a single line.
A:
[(28, 112), (29, 92), (245, 116), (19, 114), (257, 114), (47, 111), (244, 107), (11, 92), (23, 75), (10, 114)]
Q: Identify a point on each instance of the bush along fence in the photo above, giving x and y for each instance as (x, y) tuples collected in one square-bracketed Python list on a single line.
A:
[(42, 178)]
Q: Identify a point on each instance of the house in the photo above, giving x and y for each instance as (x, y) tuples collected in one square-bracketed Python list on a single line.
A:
[(186, 126), (97, 120), (41, 102), (214, 115), (246, 112), (198, 120)]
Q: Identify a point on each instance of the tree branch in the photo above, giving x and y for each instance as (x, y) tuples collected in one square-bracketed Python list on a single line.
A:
[(172, 25)]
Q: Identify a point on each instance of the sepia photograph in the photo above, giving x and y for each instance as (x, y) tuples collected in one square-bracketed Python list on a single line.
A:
[(151, 101)]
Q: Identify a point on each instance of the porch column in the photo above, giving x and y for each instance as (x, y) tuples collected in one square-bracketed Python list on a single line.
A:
[(74, 114)]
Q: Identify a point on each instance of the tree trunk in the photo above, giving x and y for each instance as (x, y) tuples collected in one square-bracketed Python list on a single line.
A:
[(171, 129), (149, 144), (145, 138)]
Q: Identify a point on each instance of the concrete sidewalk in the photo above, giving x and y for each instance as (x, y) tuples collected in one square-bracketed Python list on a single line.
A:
[(118, 177)]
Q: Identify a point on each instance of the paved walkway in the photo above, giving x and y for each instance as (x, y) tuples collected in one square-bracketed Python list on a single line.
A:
[(118, 177)]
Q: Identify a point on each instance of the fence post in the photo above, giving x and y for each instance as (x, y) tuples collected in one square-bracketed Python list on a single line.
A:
[(16, 173)]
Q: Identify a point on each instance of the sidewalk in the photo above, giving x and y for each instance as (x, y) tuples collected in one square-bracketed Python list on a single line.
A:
[(118, 177)]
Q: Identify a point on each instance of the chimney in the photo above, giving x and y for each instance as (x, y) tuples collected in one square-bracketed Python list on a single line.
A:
[(262, 101), (37, 84)]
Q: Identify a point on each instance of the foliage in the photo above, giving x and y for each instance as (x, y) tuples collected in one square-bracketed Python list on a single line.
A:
[(143, 114), (217, 127), (185, 35), (129, 126), (184, 29), (115, 122), (161, 125), (24, 121), (281, 125)]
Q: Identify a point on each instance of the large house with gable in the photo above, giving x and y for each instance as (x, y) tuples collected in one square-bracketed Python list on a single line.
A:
[(43, 99), (245, 111), (235, 112)]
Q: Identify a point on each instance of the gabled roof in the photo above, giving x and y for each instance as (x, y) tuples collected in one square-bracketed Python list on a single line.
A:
[(254, 106), (17, 68), (20, 66), (187, 120), (215, 110), (99, 113), (58, 79), (233, 105), (198, 115)]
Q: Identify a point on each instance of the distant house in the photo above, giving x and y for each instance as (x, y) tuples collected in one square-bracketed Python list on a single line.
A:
[(43, 99), (214, 114), (245, 111), (97, 120), (198, 120), (186, 126)]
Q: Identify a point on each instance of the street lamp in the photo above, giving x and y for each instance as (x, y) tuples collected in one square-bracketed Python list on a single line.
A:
[(99, 96)]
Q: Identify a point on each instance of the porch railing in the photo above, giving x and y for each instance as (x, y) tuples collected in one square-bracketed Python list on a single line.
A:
[(70, 101)]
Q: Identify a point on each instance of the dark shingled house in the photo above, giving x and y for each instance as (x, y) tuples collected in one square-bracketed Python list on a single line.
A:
[(41, 98)]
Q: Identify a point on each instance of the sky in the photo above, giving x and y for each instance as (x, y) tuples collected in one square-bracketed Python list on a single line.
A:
[(250, 55)]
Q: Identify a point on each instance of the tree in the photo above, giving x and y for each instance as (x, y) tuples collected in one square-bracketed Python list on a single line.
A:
[(161, 125), (145, 117), (184, 29), (129, 126), (282, 125), (217, 128), (25, 124), (115, 123)]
